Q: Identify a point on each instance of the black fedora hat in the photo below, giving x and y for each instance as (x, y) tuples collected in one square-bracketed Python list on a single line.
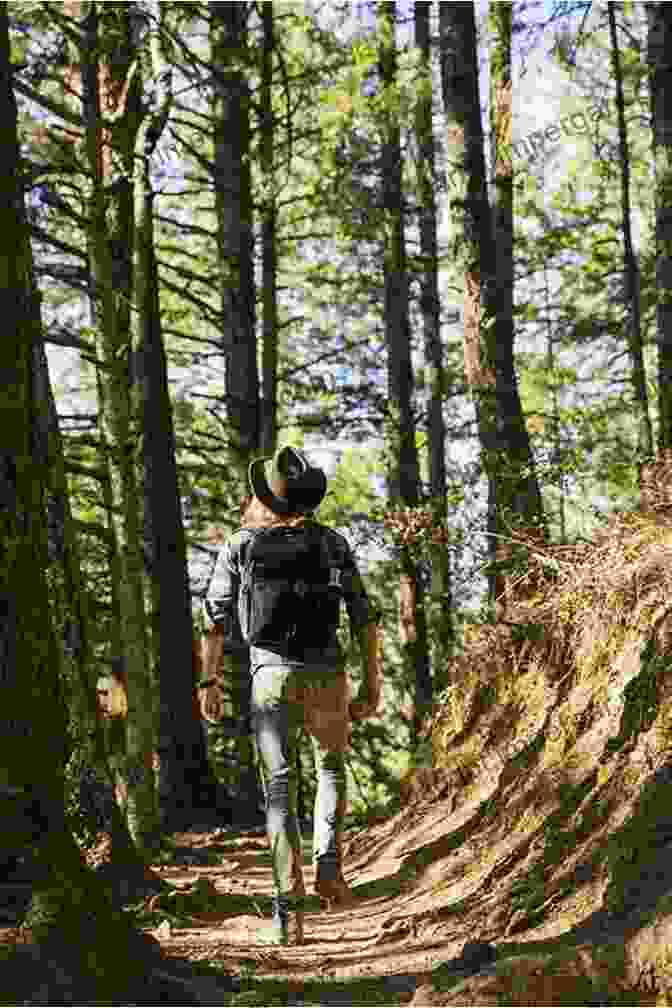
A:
[(293, 486)]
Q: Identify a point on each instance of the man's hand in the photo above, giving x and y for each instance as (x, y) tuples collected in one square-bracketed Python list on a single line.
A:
[(361, 708)]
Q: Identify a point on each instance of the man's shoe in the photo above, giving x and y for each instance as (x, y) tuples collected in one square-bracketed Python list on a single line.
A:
[(286, 927)]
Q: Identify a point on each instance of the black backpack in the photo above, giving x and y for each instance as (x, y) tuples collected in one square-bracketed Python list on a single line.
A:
[(289, 595)]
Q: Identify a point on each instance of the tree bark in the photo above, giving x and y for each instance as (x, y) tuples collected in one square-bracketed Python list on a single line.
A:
[(514, 499), (404, 470), (659, 16), (70, 595), (630, 266), (269, 402), (70, 916), (63, 551), (519, 506), (186, 781), (122, 438), (233, 204), (470, 223), (430, 307)]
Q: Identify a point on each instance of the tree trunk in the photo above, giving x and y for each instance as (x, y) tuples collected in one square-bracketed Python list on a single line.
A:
[(470, 224), (233, 203), (659, 17), (514, 499), (631, 266), (269, 403), (430, 306), (520, 507), (186, 781), (404, 471), (121, 437), (70, 916), (73, 616), (63, 552), (555, 432)]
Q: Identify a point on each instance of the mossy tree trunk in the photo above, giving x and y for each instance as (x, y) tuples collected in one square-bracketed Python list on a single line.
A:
[(186, 782), (63, 549), (68, 592), (121, 438), (70, 914)]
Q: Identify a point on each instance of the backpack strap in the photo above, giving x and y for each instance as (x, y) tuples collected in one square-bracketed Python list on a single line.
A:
[(246, 565)]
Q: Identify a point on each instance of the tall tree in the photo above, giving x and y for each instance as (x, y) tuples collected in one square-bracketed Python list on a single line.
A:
[(71, 598), (269, 269), (430, 307), (186, 781), (659, 17), (518, 502), (235, 236), (404, 469), (235, 245), (70, 912), (514, 499), (120, 435), (631, 277), (501, 115)]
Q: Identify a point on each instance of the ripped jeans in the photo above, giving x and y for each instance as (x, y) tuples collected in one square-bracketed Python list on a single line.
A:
[(286, 698)]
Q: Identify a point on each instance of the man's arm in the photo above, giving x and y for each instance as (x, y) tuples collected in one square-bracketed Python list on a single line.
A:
[(364, 620), (219, 613), (368, 696), (212, 650)]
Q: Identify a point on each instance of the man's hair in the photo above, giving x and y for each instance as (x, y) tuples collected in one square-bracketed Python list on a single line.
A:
[(258, 515)]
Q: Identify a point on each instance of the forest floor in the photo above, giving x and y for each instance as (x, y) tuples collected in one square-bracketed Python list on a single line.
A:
[(426, 929), (434, 924), (437, 922), (376, 952), (424, 923), (214, 902)]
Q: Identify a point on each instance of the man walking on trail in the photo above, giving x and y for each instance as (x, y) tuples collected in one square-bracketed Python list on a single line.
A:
[(279, 582)]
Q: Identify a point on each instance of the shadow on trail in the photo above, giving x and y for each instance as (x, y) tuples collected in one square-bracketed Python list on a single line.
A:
[(377, 990)]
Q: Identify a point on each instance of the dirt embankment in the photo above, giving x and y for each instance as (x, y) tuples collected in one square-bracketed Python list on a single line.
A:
[(554, 753)]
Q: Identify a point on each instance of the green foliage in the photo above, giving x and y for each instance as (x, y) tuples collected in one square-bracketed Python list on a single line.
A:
[(351, 490), (578, 395)]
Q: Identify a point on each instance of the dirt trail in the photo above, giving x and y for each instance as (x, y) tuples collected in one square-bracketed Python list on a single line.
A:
[(375, 953)]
